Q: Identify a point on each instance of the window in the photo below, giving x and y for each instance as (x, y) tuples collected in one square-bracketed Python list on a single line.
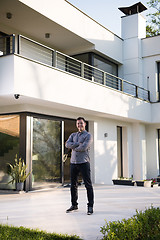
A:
[(159, 148), (98, 62), (101, 65), (119, 152), (105, 65), (6, 45), (9, 146), (158, 81)]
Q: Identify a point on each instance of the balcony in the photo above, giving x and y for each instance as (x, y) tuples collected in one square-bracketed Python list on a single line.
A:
[(35, 51)]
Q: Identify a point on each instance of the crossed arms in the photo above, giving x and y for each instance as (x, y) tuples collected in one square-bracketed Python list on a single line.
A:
[(81, 145)]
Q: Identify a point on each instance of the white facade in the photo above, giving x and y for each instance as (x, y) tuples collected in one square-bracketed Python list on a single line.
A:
[(50, 91)]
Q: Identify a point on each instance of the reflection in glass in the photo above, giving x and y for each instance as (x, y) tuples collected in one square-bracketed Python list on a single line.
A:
[(105, 65), (9, 146), (46, 158)]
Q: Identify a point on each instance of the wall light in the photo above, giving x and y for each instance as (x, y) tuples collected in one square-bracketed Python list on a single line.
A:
[(8, 15), (47, 35), (105, 134), (16, 96)]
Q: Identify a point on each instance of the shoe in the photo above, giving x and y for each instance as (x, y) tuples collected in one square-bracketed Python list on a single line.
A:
[(71, 209), (90, 211)]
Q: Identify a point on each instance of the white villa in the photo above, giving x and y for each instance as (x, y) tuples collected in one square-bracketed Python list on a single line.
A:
[(56, 64)]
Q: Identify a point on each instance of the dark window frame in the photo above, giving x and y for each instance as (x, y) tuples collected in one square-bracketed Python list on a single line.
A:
[(158, 81), (91, 60), (158, 133), (121, 149)]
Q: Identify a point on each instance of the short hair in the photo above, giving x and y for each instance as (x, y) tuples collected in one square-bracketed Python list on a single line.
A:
[(81, 118)]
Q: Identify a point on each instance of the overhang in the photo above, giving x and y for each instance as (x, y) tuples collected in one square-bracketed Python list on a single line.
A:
[(24, 20)]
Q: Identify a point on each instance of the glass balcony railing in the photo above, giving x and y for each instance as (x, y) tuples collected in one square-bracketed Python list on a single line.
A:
[(43, 54)]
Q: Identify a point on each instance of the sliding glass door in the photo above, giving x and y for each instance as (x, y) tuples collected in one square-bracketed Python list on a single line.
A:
[(9, 146), (40, 141), (46, 154)]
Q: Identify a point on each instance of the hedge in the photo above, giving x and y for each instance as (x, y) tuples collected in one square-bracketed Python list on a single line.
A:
[(22, 233), (145, 225)]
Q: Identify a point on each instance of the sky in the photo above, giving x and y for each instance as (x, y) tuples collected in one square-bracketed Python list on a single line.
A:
[(106, 12)]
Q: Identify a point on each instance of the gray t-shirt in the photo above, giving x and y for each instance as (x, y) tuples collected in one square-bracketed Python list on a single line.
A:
[(80, 143)]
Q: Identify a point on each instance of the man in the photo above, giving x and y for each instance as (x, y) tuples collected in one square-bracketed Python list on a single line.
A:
[(80, 143)]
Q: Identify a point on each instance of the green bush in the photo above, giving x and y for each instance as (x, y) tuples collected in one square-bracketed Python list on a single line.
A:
[(145, 225), (21, 233)]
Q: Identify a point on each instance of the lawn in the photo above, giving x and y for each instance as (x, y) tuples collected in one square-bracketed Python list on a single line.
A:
[(22, 233)]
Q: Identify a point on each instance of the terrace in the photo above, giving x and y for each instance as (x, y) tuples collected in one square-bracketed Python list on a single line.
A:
[(35, 51)]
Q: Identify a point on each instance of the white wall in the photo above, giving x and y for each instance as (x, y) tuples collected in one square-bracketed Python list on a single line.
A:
[(139, 151), (152, 151), (133, 29), (150, 46), (92, 155), (133, 26), (155, 112), (105, 151), (106, 167), (150, 75), (6, 75), (151, 55)]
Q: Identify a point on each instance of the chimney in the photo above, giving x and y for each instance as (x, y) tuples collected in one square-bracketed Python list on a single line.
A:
[(133, 30), (133, 23)]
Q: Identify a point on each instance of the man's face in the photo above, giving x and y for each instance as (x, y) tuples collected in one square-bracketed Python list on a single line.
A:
[(80, 125)]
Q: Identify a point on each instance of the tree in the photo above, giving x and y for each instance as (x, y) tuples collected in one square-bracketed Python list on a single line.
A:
[(153, 22)]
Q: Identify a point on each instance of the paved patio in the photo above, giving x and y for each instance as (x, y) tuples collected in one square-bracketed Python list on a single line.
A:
[(45, 209)]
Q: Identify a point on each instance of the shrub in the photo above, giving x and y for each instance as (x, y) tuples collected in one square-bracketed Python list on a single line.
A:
[(22, 233), (145, 225)]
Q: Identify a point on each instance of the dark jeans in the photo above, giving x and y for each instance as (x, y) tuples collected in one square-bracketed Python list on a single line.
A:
[(84, 168)]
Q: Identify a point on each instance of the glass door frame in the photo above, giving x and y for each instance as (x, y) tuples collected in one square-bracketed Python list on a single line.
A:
[(27, 138), (29, 143)]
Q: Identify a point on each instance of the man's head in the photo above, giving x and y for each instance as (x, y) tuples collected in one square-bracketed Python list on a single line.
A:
[(81, 124)]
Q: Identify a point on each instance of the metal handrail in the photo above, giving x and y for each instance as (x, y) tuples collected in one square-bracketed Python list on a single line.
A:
[(54, 58)]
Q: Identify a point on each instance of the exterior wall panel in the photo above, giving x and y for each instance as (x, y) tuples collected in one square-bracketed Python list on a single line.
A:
[(152, 151)]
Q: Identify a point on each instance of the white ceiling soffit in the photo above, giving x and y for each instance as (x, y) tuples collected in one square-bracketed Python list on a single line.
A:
[(27, 21)]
